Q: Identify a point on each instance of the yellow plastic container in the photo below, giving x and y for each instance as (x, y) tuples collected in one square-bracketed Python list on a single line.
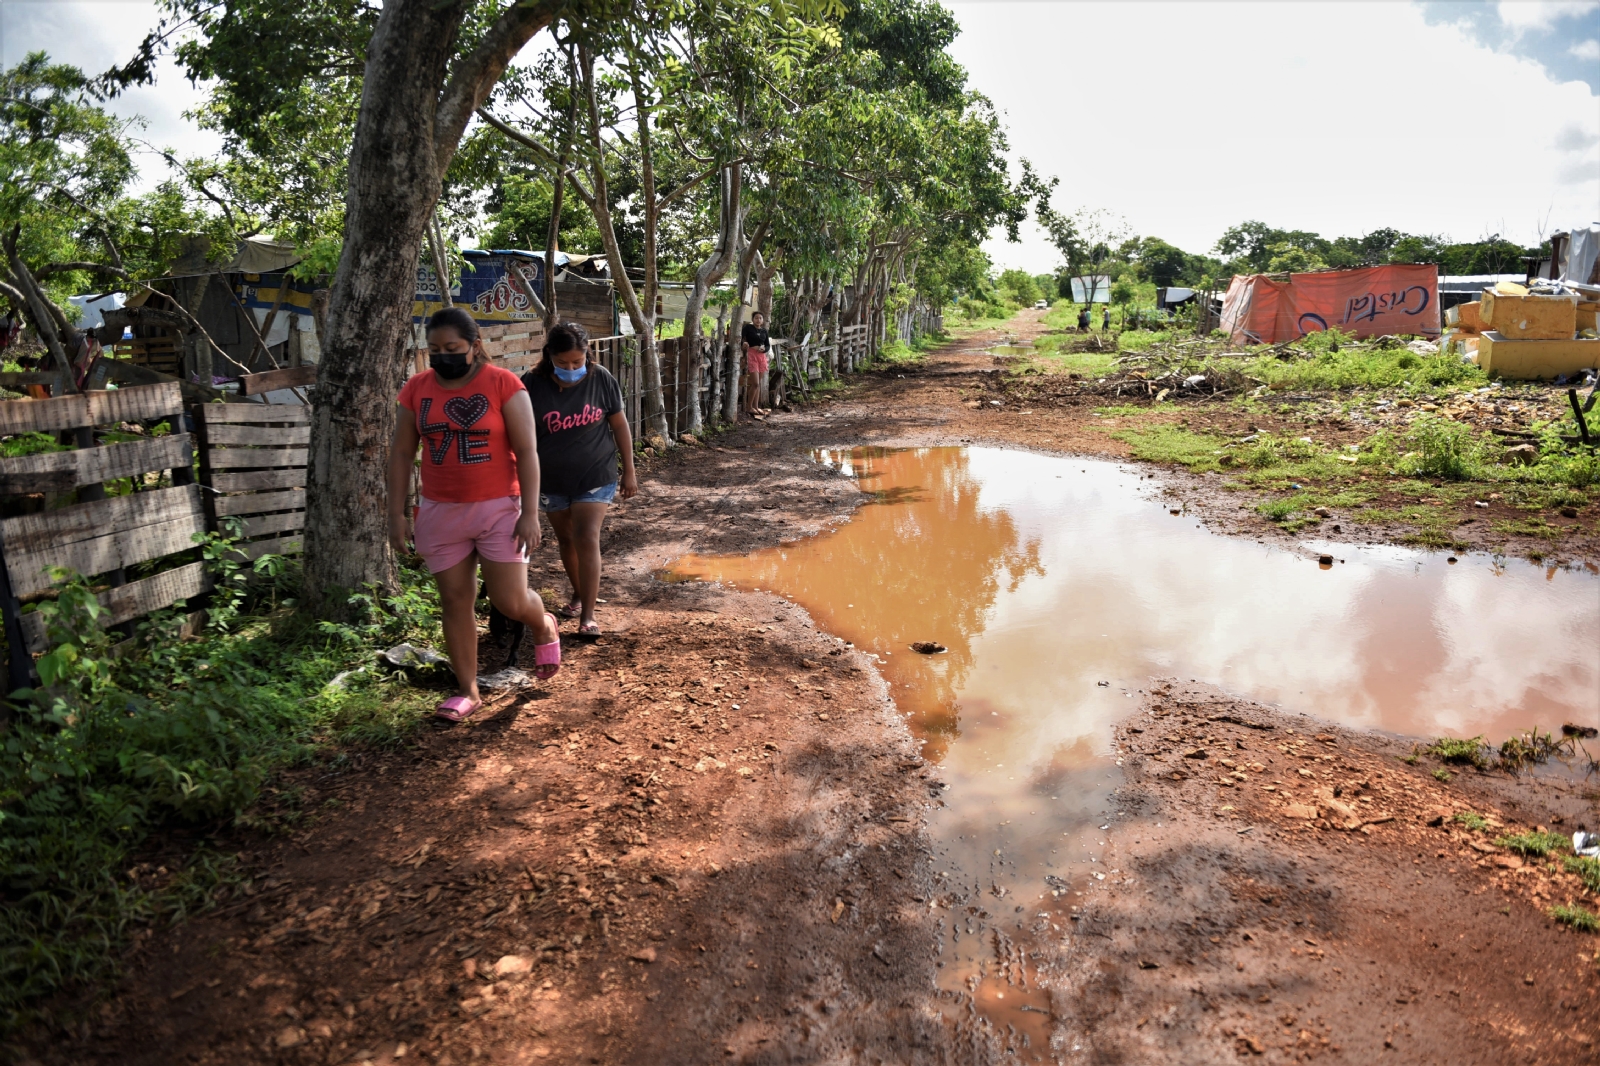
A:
[(1526, 360), (1533, 318)]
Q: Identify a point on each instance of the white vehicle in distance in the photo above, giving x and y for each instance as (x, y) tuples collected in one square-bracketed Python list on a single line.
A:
[(1042, 305)]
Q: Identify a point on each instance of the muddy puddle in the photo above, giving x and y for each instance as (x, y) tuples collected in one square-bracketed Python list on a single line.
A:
[(1061, 587)]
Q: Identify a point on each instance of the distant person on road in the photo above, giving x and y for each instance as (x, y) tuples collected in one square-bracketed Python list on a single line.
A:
[(1083, 317), (479, 466), (577, 407), (757, 344)]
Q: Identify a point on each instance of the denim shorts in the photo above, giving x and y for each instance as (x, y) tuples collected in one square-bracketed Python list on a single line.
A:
[(549, 501)]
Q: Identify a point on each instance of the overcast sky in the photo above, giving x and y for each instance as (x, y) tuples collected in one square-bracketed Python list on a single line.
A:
[(1462, 119), (1186, 118)]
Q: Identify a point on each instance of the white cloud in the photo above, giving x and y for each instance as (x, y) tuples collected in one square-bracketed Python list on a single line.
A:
[(1589, 49), (1299, 115), (95, 36), (1574, 138), (1520, 15)]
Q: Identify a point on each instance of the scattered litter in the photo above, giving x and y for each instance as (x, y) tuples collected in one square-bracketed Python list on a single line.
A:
[(510, 677), (340, 678), (407, 655), (1103, 684), (928, 647), (1586, 845), (1585, 731)]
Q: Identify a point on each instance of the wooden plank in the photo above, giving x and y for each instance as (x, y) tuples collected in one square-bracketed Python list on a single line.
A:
[(259, 502), (91, 409), (288, 545), (218, 413), (288, 478), (87, 521), (288, 378), (103, 554), (90, 466), (254, 458), (134, 599), (274, 523), (233, 433)]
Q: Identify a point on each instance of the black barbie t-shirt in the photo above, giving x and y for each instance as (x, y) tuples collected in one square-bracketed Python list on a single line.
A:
[(576, 450)]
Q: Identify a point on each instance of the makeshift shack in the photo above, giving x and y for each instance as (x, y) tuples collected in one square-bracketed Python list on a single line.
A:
[(1398, 298), (504, 289)]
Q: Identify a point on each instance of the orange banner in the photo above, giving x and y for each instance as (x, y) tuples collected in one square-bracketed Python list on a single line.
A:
[(1370, 302)]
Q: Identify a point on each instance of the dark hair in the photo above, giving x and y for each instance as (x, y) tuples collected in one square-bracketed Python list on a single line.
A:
[(457, 319), (563, 337)]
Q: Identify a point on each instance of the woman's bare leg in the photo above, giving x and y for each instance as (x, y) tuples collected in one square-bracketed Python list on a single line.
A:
[(578, 533), (509, 592), (458, 593)]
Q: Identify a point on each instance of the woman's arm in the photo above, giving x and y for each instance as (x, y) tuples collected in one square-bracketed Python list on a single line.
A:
[(518, 414), (619, 430), (402, 460)]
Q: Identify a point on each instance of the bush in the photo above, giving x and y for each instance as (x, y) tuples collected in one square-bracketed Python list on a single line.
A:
[(107, 751), (1444, 449)]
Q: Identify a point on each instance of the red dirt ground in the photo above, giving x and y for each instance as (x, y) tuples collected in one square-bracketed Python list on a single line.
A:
[(703, 842)]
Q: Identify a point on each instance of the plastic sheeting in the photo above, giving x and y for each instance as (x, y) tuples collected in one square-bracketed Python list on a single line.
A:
[(1583, 247), (1370, 302)]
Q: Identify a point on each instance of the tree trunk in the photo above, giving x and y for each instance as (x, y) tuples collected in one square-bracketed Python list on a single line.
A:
[(707, 275), (641, 313), (407, 131), (764, 273)]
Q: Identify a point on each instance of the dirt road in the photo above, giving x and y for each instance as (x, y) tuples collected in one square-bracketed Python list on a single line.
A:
[(702, 842)]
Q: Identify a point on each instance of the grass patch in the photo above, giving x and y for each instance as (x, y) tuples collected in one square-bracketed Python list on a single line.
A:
[(1534, 845), (1454, 750), (1587, 869), (1530, 748), (1475, 822), (111, 752), (1441, 774), (1580, 919), (1163, 443)]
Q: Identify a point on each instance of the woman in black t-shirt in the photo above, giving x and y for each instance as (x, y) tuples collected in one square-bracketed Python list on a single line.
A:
[(757, 343), (579, 428)]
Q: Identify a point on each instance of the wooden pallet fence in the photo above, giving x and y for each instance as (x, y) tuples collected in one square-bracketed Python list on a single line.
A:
[(620, 355), (253, 466), (98, 536)]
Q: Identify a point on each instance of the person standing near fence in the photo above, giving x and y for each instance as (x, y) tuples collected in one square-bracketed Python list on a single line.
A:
[(757, 344), (479, 466), (582, 428)]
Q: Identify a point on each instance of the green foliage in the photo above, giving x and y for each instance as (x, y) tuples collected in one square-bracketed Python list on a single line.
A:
[(1441, 774), (1443, 449), (1529, 748), (31, 444), (1452, 749), (1254, 247), (1018, 287), (110, 749), (1536, 845), (1475, 822), (1587, 869), (1580, 919)]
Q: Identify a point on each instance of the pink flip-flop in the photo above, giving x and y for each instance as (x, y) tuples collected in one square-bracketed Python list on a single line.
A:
[(457, 708), (547, 657)]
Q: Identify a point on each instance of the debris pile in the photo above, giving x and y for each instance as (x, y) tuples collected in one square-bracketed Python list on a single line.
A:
[(1546, 332)]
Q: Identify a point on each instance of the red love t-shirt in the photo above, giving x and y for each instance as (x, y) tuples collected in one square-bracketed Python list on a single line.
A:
[(465, 454)]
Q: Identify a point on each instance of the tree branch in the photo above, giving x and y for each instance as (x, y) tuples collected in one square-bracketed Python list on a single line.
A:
[(50, 269), (551, 160), (474, 77)]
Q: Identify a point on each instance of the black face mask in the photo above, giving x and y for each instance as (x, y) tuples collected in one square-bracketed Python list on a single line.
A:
[(450, 365)]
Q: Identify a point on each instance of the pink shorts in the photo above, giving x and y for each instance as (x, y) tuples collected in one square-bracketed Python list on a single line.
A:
[(447, 533), (755, 362)]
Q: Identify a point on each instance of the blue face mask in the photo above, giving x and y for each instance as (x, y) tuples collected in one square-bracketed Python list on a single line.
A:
[(570, 377)]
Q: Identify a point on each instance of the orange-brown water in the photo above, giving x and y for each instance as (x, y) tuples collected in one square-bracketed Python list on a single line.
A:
[(1046, 576)]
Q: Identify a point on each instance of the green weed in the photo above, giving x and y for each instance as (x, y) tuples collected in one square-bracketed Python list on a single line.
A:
[(1587, 869), (108, 751), (1475, 822), (1535, 845), (31, 444), (1446, 450), (1530, 748), (1441, 774), (1580, 919), (1452, 749)]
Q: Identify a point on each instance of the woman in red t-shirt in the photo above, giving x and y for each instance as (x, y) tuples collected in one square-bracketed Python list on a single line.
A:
[(478, 465)]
